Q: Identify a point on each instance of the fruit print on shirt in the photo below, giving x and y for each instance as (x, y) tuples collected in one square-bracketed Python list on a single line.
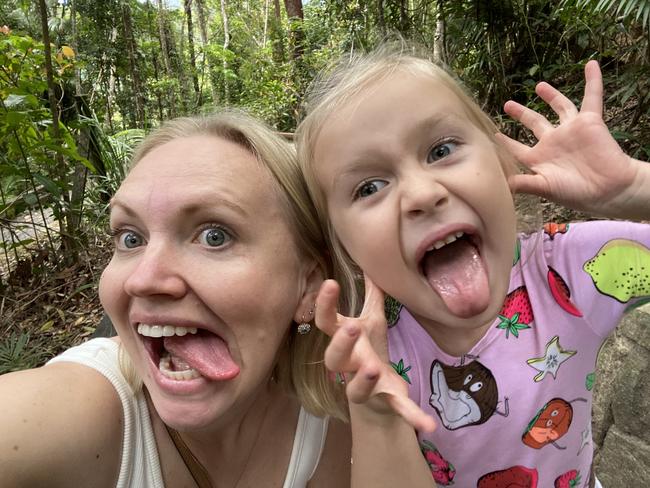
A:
[(443, 471), (464, 395), (516, 313), (550, 424), (561, 293), (551, 361), (513, 477), (621, 270), (551, 229)]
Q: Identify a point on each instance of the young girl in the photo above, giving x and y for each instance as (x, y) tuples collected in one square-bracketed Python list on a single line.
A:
[(499, 333)]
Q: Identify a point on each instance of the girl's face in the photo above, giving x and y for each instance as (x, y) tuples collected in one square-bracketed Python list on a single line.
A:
[(418, 198), (204, 256)]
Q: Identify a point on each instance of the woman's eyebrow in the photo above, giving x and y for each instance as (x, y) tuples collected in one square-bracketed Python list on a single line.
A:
[(187, 208)]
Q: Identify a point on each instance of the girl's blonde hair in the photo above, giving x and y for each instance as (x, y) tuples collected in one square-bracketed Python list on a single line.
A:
[(300, 368), (336, 87)]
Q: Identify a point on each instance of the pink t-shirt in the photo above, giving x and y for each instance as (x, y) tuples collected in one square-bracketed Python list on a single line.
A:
[(516, 409)]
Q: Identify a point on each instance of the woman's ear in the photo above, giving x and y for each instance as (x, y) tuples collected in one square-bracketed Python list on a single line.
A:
[(314, 278)]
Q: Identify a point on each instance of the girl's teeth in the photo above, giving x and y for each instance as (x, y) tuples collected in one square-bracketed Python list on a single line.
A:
[(164, 330), (447, 240)]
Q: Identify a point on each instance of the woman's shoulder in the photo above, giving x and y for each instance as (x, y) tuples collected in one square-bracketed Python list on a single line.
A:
[(334, 465), (61, 426)]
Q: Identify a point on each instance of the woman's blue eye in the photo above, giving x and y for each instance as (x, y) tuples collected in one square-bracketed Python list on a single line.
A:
[(130, 240), (442, 151), (214, 237), (369, 187)]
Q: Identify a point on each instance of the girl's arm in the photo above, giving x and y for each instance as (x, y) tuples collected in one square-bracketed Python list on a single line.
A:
[(385, 450), (578, 163), (61, 426)]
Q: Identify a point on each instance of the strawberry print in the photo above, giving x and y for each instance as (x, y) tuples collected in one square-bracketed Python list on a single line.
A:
[(442, 470), (392, 309), (401, 370), (516, 313), (570, 479)]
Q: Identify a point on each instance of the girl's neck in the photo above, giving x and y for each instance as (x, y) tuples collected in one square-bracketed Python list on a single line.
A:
[(455, 341)]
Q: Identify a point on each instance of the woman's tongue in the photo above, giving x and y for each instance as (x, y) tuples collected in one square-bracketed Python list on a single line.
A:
[(457, 273), (205, 352)]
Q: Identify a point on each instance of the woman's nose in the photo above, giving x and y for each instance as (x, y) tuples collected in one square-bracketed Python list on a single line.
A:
[(159, 271)]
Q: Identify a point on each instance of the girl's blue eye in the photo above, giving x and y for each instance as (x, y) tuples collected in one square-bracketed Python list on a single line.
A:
[(442, 151), (369, 187), (129, 240), (214, 237)]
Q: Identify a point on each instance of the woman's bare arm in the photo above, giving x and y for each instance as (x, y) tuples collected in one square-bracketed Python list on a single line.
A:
[(61, 425)]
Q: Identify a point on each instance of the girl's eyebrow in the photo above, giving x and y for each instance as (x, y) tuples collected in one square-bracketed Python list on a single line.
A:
[(355, 168)]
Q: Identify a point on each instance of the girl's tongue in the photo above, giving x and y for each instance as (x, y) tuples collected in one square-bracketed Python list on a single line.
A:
[(457, 273), (205, 352)]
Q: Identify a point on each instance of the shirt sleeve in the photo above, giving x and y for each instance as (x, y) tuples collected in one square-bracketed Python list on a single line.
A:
[(599, 269)]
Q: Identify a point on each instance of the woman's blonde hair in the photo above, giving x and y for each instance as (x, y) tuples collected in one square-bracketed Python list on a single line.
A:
[(300, 368), (336, 87)]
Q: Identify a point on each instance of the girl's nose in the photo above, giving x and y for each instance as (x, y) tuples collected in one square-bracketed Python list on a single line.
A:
[(422, 193), (158, 272)]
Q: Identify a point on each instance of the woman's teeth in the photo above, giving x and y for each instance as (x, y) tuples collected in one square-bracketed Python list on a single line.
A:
[(164, 330), (186, 371), (447, 240)]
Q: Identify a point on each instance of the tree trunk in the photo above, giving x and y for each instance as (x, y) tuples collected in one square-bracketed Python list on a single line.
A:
[(439, 51), (67, 242), (276, 28), (297, 36), (190, 47), (164, 48), (226, 44), (138, 90), (381, 18), (200, 8)]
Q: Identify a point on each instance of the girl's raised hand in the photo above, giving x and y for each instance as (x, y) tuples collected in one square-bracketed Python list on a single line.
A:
[(577, 163), (359, 350)]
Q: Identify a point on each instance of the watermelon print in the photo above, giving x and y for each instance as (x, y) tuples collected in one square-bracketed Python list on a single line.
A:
[(561, 292)]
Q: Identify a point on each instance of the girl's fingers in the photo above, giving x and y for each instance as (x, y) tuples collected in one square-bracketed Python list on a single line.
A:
[(519, 150), (326, 301), (593, 99), (531, 119), (530, 184), (373, 305), (411, 413), (338, 355), (560, 104), (360, 388)]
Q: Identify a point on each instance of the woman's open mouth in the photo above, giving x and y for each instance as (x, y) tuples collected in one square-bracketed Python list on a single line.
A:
[(186, 353)]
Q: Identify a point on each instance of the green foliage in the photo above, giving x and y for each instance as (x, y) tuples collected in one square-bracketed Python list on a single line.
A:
[(17, 353)]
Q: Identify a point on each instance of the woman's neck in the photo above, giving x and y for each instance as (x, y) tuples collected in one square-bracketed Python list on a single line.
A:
[(228, 450)]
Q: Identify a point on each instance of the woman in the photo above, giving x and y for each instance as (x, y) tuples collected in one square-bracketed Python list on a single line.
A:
[(216, 266)]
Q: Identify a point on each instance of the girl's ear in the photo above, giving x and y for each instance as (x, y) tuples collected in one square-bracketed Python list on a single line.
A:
[(313, 280)]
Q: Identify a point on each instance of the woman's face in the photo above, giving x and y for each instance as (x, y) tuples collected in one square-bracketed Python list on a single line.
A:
[(205, 278)]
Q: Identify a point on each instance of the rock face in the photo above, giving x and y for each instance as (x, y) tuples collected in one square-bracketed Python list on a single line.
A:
[(621, 414)]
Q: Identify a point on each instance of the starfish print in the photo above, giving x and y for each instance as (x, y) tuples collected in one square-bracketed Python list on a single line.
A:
[(585, 438), (551, 361)]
